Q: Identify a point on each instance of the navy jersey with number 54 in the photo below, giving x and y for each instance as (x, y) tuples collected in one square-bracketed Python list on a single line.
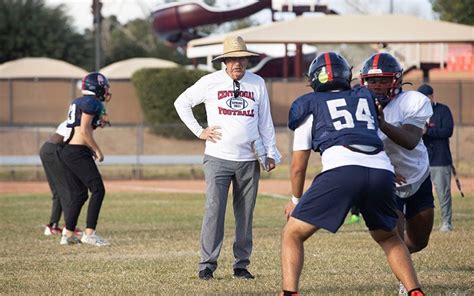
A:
[(339, 118), (87, 104)]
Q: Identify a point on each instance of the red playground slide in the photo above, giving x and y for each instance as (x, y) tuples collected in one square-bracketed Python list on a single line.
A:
[(176, 22)]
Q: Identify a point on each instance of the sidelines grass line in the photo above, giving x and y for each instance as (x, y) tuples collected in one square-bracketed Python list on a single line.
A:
[(135, 188), (127, 188), (275, 195)]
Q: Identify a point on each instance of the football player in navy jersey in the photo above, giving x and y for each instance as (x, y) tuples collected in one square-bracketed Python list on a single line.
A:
[(341, 124), (84, 116)]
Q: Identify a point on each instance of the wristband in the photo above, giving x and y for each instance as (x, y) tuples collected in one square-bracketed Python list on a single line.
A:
[(295, 200)]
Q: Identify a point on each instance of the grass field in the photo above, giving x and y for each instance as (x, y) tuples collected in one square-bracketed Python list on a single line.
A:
[(155, 243)]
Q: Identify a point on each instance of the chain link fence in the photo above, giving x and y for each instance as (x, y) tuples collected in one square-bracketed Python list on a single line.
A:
[(135, 152), (131, 150)]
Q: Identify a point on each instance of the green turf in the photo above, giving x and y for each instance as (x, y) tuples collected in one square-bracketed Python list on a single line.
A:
[(155, 244)]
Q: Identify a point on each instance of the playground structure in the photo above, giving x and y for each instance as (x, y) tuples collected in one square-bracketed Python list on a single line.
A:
[(178, 23), (430, 47)]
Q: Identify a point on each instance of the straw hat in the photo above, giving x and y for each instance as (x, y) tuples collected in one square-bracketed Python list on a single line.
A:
[(234, 47)]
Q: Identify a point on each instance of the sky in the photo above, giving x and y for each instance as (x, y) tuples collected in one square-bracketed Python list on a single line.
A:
[(126, 10)]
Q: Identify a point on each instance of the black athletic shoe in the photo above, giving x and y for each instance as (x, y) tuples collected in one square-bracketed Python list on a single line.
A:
[(242, 273), (206, 274)]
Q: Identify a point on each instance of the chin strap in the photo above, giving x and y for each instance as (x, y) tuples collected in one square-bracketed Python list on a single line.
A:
[(383, 99)]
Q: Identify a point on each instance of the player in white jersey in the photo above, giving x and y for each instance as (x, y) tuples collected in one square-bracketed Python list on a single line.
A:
[(402, 117), (238, 114)]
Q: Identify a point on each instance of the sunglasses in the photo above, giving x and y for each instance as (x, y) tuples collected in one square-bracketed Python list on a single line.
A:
[(236, 89)]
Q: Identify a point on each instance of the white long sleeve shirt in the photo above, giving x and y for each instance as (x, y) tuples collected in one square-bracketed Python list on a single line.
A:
[(242, 120)]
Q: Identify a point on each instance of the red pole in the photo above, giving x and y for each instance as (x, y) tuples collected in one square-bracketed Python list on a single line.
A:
[(285, 62), (298, 60)]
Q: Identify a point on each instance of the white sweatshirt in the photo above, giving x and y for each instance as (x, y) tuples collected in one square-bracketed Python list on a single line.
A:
[(242, 120)]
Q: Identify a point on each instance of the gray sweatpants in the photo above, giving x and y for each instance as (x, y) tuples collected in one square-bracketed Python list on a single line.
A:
[(441, 178), (219, 174)]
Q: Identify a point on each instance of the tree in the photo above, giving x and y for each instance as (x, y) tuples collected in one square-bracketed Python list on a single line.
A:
[(30, 29), (457, 11), (135, 39), (157, 90)]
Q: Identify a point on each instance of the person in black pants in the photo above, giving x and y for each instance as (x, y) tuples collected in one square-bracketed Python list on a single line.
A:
[(54, 170), (85, 114)]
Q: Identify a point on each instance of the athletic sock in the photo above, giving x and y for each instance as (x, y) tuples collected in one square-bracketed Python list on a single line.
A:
[(288, 293), (416, 292)]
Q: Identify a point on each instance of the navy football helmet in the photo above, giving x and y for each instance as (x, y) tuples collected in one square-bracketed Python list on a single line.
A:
[(380, 66), (96, 84), (329, 71)]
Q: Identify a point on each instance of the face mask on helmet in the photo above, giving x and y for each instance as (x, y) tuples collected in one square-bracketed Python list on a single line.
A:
[(329, 71), (96, 84), (383, 75)]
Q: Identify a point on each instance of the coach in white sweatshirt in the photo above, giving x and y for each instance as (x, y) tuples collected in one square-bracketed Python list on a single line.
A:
[(238, 113)]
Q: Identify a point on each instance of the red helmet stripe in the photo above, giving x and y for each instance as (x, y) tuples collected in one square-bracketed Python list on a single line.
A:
[(327, 59), (376, 61)]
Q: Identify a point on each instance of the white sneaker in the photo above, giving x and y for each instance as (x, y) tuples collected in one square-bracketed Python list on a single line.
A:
[(94, 239), (52, 230), (69, 240), (401, 290), (446, 227), (77, 233)]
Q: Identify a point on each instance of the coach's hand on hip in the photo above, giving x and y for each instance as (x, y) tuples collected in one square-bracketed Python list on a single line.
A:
[(210, 133)]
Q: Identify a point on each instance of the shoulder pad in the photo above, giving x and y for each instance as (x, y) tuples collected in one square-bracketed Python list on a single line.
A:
[(300, 109), (91, 105)]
